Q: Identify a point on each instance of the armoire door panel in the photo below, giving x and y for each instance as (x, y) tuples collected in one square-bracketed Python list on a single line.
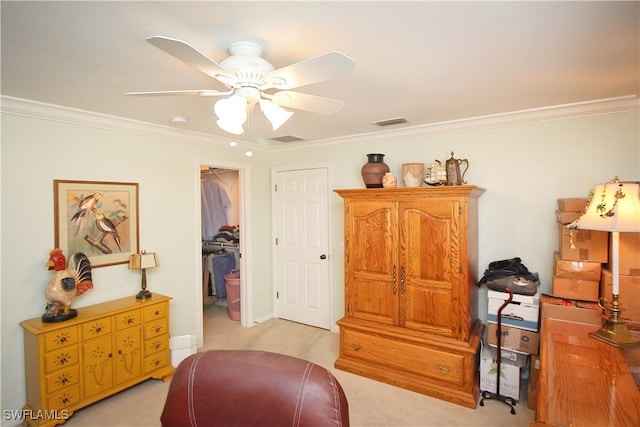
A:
[(430, 256), (428, 309), (369, 299), (372, 238)]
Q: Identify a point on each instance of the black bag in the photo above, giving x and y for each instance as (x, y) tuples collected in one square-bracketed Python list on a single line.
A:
[(510, 273)]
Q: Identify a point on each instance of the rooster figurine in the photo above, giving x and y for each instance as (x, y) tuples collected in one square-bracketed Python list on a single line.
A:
[(66, 284)]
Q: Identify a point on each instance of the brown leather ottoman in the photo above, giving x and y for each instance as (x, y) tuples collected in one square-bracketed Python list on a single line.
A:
[(253, 388)]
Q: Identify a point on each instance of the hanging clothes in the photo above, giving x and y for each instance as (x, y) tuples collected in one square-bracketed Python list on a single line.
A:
[(214, 204), (222, 265)]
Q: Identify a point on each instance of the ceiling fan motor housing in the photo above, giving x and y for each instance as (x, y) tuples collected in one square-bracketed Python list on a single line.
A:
[(247, 65)]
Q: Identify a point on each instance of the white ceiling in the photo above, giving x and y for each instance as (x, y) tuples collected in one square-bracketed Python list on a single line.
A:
[(429, 62)]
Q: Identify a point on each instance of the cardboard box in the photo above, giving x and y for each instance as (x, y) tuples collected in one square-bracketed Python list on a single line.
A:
[(519, 340), (584, 290), (588, 245), (572, 204), (629, 296), (521, 360), (586, 270), (573, 311), (628, 254), (567, 217), (509, 376), (522, 312), (535, 372)]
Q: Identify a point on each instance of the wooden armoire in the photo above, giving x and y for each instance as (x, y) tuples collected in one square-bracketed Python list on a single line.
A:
[(411, 289)]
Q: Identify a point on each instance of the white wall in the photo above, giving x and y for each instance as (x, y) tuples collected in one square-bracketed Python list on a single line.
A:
[(35, 152), (524, 168)]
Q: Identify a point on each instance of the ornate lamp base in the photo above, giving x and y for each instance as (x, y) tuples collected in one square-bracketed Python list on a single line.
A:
[(614, 331), (143, 294)]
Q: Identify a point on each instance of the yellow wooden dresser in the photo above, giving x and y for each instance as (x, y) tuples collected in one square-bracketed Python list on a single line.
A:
[(107, 348)]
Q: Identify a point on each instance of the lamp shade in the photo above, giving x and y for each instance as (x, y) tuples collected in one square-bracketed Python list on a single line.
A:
[(614, 206), (274, 113), (143, 260), (232, 113)]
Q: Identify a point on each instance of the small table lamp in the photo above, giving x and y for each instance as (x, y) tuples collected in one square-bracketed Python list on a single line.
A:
[(613, 207), (142, 261)]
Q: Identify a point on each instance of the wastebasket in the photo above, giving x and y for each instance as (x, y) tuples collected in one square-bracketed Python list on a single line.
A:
[(182, 347), (232, 282)]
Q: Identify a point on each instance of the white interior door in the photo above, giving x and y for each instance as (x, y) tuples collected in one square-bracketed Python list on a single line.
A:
[(302, 286)]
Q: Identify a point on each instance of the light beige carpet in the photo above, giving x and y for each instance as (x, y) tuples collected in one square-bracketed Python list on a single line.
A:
[(371, 403)]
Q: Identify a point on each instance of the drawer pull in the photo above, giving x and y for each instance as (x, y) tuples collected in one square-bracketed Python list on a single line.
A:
[(444, 369), (356, 346), (157, 312)]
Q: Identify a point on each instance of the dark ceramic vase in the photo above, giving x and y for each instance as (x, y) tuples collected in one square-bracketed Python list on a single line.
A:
[(374, 170)]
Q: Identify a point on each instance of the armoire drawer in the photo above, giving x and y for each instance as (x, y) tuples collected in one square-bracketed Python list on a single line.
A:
[(403, 356)]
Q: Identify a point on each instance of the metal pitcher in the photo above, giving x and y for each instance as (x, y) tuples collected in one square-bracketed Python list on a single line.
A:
[(454, 177)]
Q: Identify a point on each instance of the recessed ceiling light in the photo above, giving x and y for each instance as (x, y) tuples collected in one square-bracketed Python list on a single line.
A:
[(248, 153), (232, 144), (178, 119)]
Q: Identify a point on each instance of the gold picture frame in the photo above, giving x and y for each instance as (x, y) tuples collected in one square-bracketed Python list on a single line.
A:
[(97, 218)]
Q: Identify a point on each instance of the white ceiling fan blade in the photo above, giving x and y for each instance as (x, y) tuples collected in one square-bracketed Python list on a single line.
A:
[(320, 68), (306, 102), (191, 56), (192, 92)]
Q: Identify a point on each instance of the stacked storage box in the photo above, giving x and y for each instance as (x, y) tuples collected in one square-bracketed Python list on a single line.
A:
[(578, 264), (519, 340)]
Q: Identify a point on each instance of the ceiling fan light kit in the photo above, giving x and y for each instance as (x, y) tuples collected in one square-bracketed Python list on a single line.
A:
[(274, 113), (248, 77)]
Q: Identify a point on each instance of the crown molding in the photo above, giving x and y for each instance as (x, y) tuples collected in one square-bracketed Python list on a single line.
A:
[(57, 113), (41, 110), (514, 118)]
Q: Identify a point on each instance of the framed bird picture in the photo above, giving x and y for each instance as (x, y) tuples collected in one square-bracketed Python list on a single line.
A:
[(99, 219)]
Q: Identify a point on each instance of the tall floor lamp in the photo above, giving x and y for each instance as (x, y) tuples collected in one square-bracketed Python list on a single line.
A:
[(613, 207)]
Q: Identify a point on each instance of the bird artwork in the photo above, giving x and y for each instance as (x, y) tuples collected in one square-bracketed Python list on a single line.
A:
[(106, 227), (85, 205), (66, 283)]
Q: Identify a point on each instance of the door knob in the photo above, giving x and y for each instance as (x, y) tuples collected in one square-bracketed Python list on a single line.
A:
[(323, 256)]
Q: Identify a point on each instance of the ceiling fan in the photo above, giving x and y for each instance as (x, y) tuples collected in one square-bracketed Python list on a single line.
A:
[(251, 80)]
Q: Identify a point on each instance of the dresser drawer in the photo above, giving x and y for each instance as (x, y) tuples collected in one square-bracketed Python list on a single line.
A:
[(155, 361), (402, 356), (128, 319), (155, 328), (62, 358), (156, 311), (153, 345), (64, 398), (61, 338), (96, 328), (63, 379)]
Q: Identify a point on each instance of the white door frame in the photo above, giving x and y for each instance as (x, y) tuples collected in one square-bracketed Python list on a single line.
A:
[(274, 258), (246, 286)]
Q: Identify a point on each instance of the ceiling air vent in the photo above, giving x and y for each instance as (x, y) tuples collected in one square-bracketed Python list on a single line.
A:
[(389, 122), (287, 138)]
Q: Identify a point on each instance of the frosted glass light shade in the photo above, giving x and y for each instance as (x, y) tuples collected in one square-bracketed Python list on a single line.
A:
[(232, 113), (274, 113)]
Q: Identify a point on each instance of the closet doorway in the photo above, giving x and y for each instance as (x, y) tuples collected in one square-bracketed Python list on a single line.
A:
[(223, 207)]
